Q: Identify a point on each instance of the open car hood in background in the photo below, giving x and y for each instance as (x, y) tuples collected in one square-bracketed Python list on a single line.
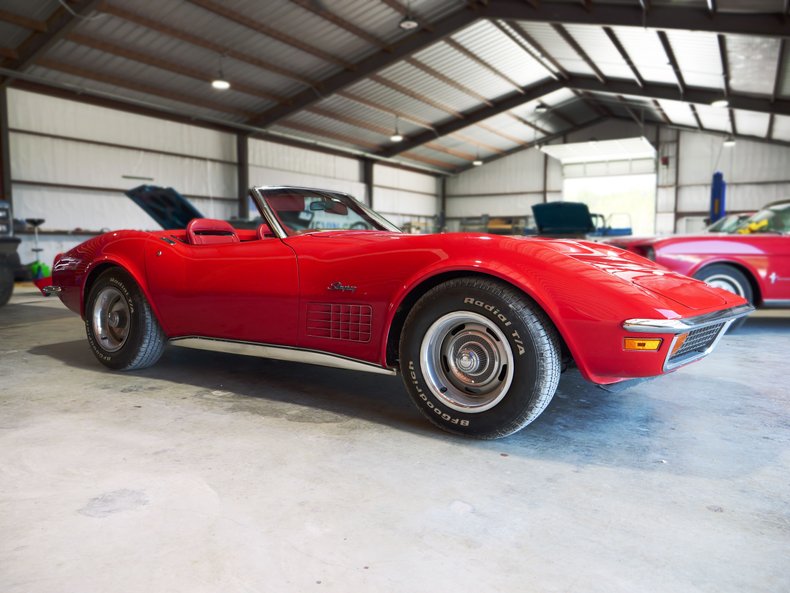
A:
[(563, 219), (165, 205)]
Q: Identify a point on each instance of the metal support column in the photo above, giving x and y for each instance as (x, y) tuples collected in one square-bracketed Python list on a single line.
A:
[(367, 179), (243, 175), (442, 224), (5, 150)]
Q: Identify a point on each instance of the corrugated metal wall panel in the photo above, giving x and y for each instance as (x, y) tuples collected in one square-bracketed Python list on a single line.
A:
[(781, 129), (698, 57), (557, 47), (751, 123), (61, 117), (753, 62), (597, 45), (270, 155), (647, 53), (491, 45)]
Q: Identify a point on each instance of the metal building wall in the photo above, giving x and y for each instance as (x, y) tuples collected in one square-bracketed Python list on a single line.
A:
[(406, 196), (71, 162)]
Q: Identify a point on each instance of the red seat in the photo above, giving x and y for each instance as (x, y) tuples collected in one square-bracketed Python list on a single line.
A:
[(209, 231), (263, 231)]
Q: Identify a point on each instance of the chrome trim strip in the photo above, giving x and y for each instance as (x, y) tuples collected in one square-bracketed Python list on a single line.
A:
[(279, 353), (776, 303), (50, 290), (680, 326), (692, 356), (268, 215)]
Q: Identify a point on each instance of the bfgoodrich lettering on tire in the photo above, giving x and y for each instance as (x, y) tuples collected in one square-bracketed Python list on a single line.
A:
[(122, 330), (479, 357)]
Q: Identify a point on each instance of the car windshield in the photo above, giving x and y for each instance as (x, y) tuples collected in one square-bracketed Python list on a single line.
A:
[(774, 218), (300, 210), (727, 224)]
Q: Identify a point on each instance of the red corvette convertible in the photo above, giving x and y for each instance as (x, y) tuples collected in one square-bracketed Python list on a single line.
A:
[(753, 260), (478, 325)]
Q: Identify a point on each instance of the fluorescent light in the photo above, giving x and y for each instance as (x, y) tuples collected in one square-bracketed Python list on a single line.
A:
[(541, 108), (477, 162), (720, 103), (220, 84), (397, 137), (729, 142)]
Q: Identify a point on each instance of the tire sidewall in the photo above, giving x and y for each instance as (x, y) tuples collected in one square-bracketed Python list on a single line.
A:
[(732, 273), (522, 392), (128, 288)]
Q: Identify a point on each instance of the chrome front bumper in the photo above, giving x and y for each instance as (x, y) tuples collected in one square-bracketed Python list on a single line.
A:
[(50, 290), (700, 334)]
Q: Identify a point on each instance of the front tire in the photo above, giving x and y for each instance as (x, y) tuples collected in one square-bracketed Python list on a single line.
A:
[(122, 330), (6, 283), (479, 358), (731, 279)]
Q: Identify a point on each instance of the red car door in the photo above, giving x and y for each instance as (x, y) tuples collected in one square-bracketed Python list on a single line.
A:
[(241, 291)]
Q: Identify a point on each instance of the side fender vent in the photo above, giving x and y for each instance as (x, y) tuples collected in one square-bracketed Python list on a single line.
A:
[(336, 321)]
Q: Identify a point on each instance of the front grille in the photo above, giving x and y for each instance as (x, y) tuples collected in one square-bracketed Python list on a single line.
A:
[(698, 341), (339, 322)]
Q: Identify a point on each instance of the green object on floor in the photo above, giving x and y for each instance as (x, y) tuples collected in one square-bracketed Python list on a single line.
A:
[(39, 270)]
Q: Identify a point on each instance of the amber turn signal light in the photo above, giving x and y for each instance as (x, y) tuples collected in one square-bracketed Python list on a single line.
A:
[(679, 343), (642, 344)]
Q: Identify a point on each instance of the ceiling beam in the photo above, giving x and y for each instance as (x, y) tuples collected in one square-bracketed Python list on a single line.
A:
[(475, 115), (24, 22), (670, 92), (780, 67), (242, 19), (59, 25), (169, 30), (568, 38), (447, 80), (662, 37), (318, 9), (661, 112), (370, 65), (667, 17), (624, 54), (157, 62), (725, 63), (540, 142), (696, 117), (135, 85)]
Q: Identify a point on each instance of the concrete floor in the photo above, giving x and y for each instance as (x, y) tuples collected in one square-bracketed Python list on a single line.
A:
[(215, 473)]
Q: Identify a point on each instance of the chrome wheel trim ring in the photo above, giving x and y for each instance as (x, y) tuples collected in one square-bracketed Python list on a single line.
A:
[(725, 282), (110, 319), (467, 362)]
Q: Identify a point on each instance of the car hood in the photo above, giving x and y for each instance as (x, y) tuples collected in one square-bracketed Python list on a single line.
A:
[(644, 274), (165, 205)]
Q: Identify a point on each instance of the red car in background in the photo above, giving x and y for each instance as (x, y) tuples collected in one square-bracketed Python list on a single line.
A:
[(752, 261)]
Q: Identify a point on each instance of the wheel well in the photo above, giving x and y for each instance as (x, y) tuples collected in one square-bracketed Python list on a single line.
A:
[(92, 276), (398, 321), (743, 270)]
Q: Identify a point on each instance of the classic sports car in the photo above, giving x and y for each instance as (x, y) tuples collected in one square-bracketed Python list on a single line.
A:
[(478, 325), (753, 260)]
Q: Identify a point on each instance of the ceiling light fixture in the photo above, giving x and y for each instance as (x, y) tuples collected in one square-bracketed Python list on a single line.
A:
[(408, 23), (219, 82), (477, 162), (541, 108), (720, 103), (729, 142), (397, 136)]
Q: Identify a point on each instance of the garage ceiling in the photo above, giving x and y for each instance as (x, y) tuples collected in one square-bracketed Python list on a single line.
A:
[(474, 80)]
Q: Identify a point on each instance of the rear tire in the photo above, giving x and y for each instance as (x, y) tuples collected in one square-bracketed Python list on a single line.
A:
[(122, 330), (731, 279), (479, 358)]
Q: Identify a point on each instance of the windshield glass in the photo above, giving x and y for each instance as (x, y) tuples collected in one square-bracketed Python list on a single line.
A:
[(772, 219), (300, 210), (727, 224)]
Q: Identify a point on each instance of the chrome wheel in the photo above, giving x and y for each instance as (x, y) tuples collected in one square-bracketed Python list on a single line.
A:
[(467, 361), (726, 283), (111, 319)]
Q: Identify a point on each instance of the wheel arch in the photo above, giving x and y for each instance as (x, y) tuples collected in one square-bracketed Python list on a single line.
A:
[(412, 296), (102, 266), (745, 270)]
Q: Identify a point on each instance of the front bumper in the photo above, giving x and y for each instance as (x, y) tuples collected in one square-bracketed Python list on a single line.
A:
[(698, 335)]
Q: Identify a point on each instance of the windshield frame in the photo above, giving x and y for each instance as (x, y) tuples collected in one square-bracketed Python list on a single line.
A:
[(377, 222)]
